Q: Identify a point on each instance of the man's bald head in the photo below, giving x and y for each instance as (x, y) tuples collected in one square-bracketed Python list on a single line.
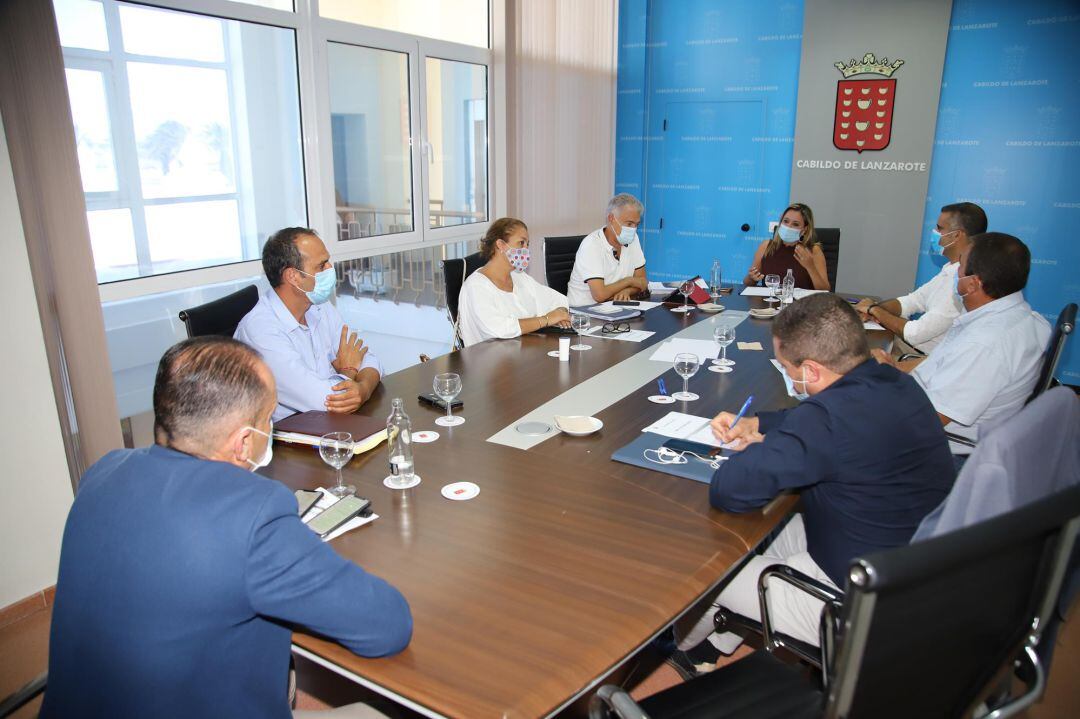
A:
[(206, 388)]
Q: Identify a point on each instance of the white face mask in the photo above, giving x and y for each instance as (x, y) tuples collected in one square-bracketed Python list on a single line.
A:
[(790, 384), (666, 455), (269, 453)]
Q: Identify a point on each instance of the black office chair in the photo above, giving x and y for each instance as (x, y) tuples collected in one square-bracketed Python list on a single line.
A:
[(1066, 321), (24, 695), (829, 237), (221, 316), (455, 272), (559, 255), (926, 630)]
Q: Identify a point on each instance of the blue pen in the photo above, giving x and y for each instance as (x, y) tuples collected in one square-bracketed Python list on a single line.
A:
[(742, 411), (663, 387)]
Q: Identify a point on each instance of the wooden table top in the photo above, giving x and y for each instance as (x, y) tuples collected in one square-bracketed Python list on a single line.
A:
[(567, 562)]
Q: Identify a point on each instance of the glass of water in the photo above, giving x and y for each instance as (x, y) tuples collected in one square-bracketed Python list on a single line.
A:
[(685, 289), (773, 283), (447, 387), (336, 449), (723, 335), (580, 323), (686, 366)]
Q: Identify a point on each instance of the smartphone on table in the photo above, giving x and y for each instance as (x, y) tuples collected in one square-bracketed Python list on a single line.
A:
[(435, 401), (306, 499), (339, 513)]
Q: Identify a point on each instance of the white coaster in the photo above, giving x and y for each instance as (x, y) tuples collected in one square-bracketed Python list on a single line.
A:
[(391, 482), (680, 309), (425, 436), (712, 368), (685, 396), (460, 491), (662, 399), (553, 353)]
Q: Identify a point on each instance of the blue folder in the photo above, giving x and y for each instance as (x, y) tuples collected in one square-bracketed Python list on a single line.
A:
[(632, 453)]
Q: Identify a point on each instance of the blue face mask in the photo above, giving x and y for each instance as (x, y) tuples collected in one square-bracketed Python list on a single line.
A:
[(790, 384), (325, 282), (956, 287), (938, 248), (626, 235), (788, 235)]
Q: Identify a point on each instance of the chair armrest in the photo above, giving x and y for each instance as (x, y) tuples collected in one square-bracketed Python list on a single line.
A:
[(832, 597), (1034, 691), (23, 695), (611, 700), (960, 440)]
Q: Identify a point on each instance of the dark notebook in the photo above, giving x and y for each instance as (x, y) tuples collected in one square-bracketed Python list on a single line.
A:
[(316, 423)]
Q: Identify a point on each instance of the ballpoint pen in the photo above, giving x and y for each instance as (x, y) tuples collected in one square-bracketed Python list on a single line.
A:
[(742, 411), (661, 386)]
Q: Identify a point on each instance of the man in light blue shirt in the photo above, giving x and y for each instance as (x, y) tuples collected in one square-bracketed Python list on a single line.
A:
[(318, 363), (989, 360)]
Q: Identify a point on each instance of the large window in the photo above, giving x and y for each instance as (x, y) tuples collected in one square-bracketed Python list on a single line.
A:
[(462, 21), (188, 135)]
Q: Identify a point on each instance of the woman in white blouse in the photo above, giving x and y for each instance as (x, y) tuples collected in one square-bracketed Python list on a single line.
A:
[(501, 301)]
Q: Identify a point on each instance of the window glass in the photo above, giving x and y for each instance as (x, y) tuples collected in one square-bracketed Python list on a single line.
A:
[(189, 139), (164, 33), (369, 120), (457, 138), (93, 137), (463, 21), (81, 24)]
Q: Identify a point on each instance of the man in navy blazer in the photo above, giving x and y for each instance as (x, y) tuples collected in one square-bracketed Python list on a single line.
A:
[(182, 572)]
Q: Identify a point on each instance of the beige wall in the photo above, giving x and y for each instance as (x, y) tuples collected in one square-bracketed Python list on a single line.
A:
[(560, 106), (35, 490)]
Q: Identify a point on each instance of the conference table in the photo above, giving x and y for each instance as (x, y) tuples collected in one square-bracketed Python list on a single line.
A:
[(567, 563)]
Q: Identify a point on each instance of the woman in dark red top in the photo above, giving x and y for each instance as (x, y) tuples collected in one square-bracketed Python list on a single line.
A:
[(794, 247)]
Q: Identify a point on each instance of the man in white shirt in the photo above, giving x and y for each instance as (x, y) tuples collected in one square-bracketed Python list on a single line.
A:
[(610, 264), (318, 363), (988, 362), (935, 301)]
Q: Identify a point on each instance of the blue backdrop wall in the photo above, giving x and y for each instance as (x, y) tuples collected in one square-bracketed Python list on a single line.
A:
[(1008, 138), (705, 126)]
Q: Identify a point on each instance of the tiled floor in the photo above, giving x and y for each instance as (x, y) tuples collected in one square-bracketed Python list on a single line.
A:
[(24, 654)]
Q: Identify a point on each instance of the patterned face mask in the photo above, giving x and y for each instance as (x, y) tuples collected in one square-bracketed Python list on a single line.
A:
[(518, 258)]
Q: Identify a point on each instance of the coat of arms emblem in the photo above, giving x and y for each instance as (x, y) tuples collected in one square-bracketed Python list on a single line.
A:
[(864, 106)]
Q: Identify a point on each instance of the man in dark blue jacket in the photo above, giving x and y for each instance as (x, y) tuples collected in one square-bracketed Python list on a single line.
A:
[(864, 449), (181, 572)]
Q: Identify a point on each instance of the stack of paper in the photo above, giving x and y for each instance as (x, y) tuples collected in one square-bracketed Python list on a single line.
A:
[(704, 349), (678, 425)]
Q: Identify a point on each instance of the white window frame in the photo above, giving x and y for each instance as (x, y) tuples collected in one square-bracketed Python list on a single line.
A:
[(313, 32)]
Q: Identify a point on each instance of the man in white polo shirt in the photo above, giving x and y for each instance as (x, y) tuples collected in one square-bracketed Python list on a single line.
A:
[(935, 302), (989, 360), (610, 264)]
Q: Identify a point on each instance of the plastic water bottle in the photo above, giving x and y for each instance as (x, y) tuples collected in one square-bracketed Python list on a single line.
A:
[(399, 443), (787, 295)]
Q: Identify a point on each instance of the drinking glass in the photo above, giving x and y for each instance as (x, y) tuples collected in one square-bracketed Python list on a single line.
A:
[(686, 366), (773, 283), (447, 387), (336, 449), (685, 289), (580, 323), (723, 335)]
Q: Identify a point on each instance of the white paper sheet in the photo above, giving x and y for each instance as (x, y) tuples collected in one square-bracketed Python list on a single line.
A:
[(800, 293), (659, 287), (631, 336), (757, 292), (871, 325), (679, 425), (325, 501), (704, 349)]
